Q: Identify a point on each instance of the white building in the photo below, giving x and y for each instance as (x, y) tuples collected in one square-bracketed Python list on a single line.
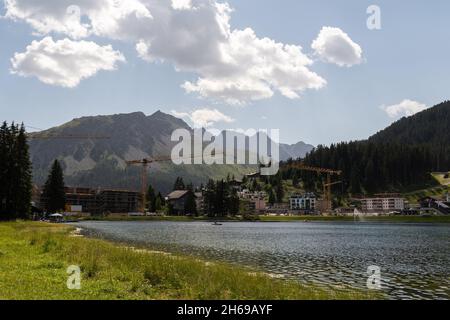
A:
[(383, 204), (306, 201)]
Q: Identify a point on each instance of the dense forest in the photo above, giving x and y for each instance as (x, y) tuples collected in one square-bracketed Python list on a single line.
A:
[(15, 173), (398, 158), (220, 199)]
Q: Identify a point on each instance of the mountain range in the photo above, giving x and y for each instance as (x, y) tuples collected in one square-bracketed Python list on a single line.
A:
[(97, 156)]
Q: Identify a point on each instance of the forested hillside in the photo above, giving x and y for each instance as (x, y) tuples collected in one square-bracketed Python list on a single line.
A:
[(430, 127), (398, 158)]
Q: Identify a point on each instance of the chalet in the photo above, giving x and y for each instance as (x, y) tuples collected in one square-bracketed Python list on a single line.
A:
[(177, 199)]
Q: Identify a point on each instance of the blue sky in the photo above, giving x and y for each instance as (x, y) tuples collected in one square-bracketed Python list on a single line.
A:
[(406, 60)]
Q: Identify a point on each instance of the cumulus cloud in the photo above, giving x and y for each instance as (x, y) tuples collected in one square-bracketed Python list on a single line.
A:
[(405, 108), (79, 18), (235, 66), (333, 45), (204, 118), (64, 63), (256, 67), (231, 65), (181, 4)]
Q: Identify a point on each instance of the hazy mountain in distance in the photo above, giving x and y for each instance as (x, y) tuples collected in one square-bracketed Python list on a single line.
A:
[(89, 162), (294, 151), (102, 162)]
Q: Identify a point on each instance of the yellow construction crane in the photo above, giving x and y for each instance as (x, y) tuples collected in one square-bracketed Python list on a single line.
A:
[(326, 186), (145, 163)]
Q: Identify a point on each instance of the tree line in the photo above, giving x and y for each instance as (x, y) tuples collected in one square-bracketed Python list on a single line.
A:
[(220, 199), (15, 173), (396, 159), (369, 167)]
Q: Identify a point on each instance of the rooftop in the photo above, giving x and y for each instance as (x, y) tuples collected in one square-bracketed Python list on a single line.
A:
[(177, 194)]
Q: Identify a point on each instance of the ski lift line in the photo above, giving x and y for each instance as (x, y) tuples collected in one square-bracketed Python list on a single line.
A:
[(166, 159)]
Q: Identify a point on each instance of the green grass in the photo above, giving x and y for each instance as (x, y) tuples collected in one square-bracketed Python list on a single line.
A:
[(438, 192), (442, 178), (34, 258)]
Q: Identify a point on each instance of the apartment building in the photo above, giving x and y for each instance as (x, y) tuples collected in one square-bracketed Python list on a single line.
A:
[(307, 202), (382, 204)]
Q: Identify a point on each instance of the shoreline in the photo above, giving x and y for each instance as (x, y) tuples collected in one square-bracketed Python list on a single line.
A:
[(35, 257), (381, 219)]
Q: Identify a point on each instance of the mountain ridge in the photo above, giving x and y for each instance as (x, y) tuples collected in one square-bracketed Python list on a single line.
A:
[(102, 162)]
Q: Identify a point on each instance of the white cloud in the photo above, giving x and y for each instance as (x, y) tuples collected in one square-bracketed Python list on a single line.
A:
[(195, 36), (255, 68), (333, 45), (64, 63), (204, 118), (182, 4), (79, 18), (405, 108)]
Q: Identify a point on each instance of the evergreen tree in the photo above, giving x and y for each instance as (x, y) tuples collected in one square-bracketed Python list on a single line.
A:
[(151, 199), (158, 204), (272, 198), (190, 206), (279, 191), (161, 199), (54, 194), (23, 186), (220, 199), (4, 170), (233, 203), (295, 180), (15, 173), (209, 198), (179, 184)]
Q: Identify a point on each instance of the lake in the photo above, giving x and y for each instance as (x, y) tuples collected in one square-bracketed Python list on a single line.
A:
[(414, 259)]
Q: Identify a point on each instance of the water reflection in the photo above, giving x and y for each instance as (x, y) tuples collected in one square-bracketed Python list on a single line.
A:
[(414, 258)]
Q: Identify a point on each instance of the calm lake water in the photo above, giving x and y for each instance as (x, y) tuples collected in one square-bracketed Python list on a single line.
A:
[(414, 258)]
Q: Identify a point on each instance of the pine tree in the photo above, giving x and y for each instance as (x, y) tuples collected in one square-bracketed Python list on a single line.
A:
[(151, 199), (4, 163), (158, 204), (162, 200), (190, 206), (54, 194), (272, 198), (295, 180), (23, 185), (234, 203), (209, 198), (179, 184), (280, 192), (15, 173)]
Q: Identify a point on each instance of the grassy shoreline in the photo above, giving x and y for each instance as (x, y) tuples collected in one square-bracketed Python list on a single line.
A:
[(34, 258)]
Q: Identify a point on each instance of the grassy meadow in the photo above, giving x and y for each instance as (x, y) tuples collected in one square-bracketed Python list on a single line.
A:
[(34, 258)]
